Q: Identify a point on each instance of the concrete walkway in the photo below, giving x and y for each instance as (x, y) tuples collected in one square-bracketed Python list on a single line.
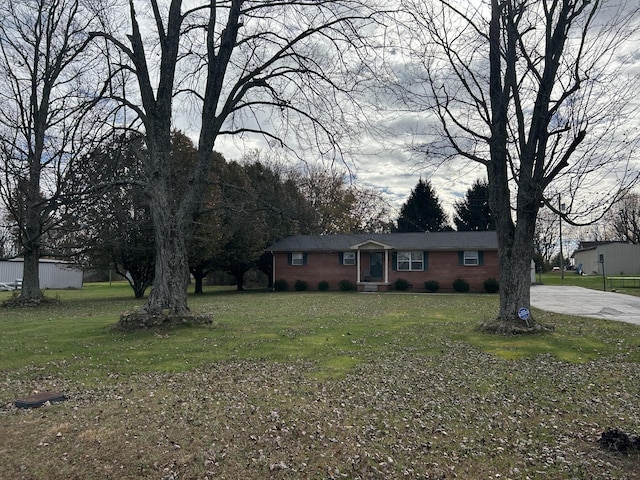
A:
[(584, 302)]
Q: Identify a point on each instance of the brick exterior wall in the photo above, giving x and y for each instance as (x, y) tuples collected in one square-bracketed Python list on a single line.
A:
[(443, 267), (320, 267)]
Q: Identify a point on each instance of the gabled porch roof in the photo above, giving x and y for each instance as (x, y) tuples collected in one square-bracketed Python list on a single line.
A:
[(371, 245)]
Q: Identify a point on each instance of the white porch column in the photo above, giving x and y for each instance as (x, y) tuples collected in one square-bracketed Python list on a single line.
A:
[(358, 264), (386, 266)]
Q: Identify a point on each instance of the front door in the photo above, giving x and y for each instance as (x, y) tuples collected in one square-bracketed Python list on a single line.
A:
[(376, 259)]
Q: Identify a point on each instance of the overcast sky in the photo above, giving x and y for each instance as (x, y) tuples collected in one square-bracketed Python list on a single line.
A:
[(386, 162)]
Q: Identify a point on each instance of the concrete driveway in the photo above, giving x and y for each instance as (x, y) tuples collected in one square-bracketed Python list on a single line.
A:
[(584, 302)]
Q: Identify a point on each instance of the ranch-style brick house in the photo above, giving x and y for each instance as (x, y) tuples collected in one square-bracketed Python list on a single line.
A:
[(373, 262)]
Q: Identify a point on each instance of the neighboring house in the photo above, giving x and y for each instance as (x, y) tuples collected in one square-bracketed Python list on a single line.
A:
[(52, 273), (376, 261), (620, 258)]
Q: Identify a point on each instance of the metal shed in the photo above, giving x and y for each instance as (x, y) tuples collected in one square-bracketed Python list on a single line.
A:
[(620, 258), (54, 274)]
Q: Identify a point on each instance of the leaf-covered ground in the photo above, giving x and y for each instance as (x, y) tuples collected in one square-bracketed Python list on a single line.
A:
[(314, 386), (462, 414)]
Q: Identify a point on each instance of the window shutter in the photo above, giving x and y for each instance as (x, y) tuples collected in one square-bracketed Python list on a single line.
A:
[(289, 258), (340, 258), (480, 257), (425, 261), (460, 258), (304, 258), (394, 261)]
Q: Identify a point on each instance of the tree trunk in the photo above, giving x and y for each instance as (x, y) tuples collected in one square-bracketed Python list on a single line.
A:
[(31, 237), (171, 274), (169, 292), (198, 275), (138, 289), (515, 240), (514, 257), (31, 276)]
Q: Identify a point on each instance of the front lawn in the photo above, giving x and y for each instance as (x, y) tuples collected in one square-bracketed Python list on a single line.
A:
[(313, 385), (594, 282)]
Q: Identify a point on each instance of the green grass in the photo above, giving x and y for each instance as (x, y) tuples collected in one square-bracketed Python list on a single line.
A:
[(593, 282), (331, 329), (313, 385)]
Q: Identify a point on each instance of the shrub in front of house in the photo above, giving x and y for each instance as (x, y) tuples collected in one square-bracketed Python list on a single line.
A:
[(401, 284), (300, 285), (491, 285), (323, 286), (346, 285), (431, 286), (460, 285), (280, 285)]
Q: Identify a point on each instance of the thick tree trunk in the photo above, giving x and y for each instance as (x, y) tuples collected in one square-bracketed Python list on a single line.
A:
[(169, 292), (515, 247), (31, 237), (515, 240), (514, 258), (171, 272), (31, 275)]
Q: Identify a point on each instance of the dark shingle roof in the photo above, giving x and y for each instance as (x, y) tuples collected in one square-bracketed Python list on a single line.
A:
[(396, 241)]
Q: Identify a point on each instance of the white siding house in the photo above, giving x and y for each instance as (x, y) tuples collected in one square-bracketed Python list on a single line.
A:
[(54, 274), (620, 258)]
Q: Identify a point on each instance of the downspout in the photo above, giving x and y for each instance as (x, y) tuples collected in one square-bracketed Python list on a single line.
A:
[(273, 270)]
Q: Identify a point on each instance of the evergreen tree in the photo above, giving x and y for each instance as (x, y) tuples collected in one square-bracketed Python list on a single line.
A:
[(243, 232), (473, 212), (422, 211), (115, 226)]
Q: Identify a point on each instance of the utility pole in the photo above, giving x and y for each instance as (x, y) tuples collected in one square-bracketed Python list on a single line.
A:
[(560, 210)]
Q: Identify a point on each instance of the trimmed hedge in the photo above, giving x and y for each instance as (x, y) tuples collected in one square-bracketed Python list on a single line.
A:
[(432, 286), (460, 285), (280, 285), (346, 285), (491, 285)]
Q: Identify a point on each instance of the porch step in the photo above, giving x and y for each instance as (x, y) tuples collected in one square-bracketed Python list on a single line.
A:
[(368, 287)]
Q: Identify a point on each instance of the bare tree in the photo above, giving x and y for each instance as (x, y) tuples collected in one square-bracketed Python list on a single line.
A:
[(44, 92), (340, 206), (6, 242), (625, 219), (546, 234), (240, 67), (526, 89)]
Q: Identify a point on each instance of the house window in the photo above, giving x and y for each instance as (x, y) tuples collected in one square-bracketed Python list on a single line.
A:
[(410, 261), (297, 258), (471, 258), (349, 258)]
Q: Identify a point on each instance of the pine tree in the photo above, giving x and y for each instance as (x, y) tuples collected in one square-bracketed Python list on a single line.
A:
[(422, 211), (473, 213)]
